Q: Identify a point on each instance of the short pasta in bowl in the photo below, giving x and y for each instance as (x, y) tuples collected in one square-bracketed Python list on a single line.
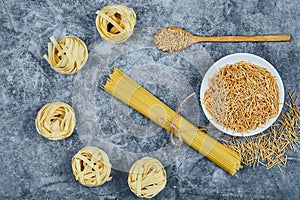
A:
[(242, 94)]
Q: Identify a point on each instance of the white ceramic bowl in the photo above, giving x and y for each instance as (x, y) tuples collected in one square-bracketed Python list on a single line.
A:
[(231, 59)]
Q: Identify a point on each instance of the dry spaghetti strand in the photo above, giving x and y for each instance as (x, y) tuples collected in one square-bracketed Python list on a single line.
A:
[(242, 96), (128, 91)]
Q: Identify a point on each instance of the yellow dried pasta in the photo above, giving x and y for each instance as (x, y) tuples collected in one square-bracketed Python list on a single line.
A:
[(147, 177), (91, 166), (115, 22), (55, 121), (134, 95), (68, 55)]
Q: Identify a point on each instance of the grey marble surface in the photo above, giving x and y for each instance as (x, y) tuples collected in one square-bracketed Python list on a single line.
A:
[(35, 168)]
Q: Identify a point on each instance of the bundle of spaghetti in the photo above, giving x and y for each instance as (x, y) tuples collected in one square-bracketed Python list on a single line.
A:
[(242, 96), (115, 22), (131, 93), (68, 55)]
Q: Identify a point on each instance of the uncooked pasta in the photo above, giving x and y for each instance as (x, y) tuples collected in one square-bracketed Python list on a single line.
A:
[(115, 22), (242, 97), (147, 177), (270, 148), (172, 39), (55, 121), (128, 91), (68, 55), (91, 166)]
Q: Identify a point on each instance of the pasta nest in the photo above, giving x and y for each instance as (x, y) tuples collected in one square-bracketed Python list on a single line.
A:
[(55, 121), (115, 22), (91, 166), (68, 55), (147, 177)]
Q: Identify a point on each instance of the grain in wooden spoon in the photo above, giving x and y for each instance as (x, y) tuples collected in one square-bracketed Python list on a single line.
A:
[(174, 39)]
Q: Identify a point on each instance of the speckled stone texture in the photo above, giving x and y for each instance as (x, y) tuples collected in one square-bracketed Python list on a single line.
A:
[(33, 167)]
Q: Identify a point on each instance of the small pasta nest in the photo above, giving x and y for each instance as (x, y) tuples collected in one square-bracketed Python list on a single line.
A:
[(147, 177), (68, 55), (91, 166), (55, 121), (115, 22)]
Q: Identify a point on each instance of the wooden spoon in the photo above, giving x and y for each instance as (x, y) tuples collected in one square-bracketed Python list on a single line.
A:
[(174, 39)]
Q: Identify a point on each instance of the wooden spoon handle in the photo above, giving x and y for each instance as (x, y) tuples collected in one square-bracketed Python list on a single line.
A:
[(257, 38)]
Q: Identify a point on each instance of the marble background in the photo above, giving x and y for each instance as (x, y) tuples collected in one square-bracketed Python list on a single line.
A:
[(35, 168)]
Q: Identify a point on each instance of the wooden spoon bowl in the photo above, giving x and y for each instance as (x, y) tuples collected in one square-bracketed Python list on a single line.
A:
[(174, 39)]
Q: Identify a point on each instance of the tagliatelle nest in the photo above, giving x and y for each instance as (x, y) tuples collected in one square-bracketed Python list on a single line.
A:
[(147, 177), (55, 121), (115, 23), (68, 55), (91, 166)]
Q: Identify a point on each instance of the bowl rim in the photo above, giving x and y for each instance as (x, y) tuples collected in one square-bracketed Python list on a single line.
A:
[(230, 59)]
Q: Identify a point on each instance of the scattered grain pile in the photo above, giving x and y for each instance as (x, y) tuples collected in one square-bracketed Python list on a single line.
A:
[(269, 148)]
